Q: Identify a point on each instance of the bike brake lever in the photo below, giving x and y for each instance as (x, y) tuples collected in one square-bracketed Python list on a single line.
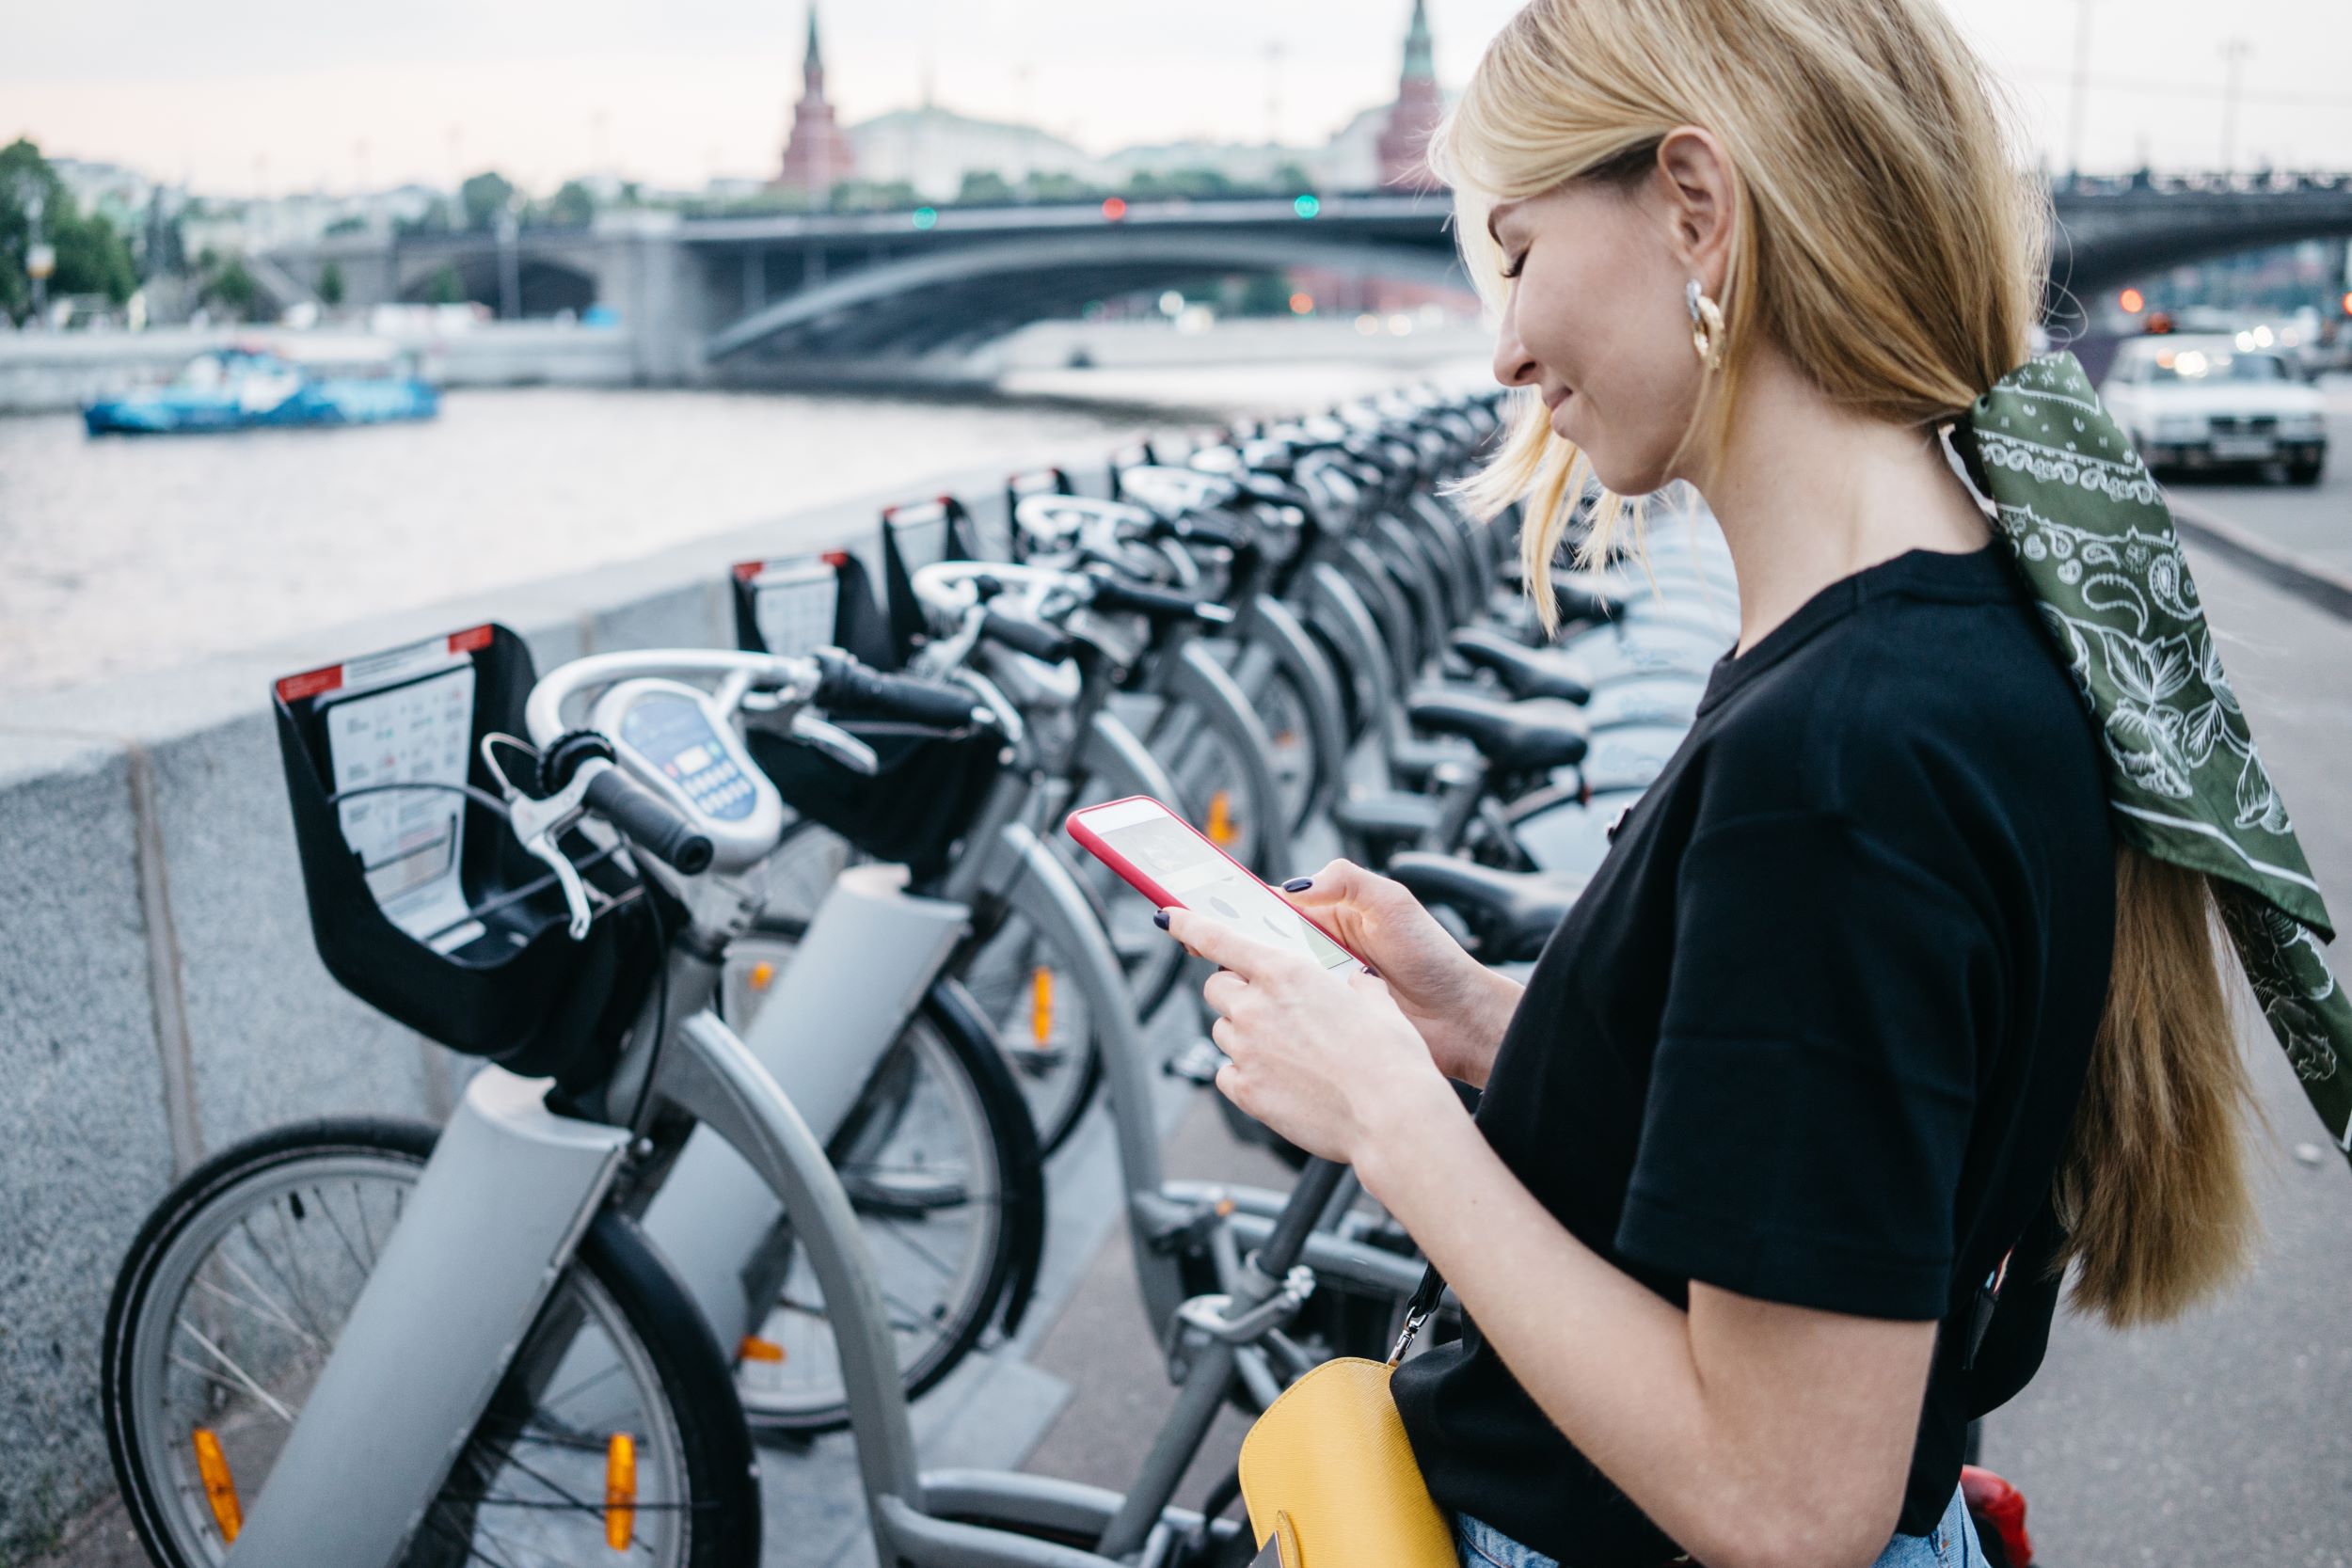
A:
[(837, 743), (539, 823)]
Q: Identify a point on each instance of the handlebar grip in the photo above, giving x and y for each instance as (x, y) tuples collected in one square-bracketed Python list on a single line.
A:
[(1201, 531), (646, 820), (1158, 603), (854, 688), (1025, 637)]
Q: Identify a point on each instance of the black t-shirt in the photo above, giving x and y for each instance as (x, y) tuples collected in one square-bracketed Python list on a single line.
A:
[(1816, 1031)]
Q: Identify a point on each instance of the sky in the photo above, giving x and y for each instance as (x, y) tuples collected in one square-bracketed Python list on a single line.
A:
[(267, 97)]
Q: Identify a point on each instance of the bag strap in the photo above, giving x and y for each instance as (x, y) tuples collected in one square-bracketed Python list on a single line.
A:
[(1417, 1309)]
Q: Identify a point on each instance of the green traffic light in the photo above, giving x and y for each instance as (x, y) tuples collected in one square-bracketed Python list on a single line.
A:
[(1307, 205), (926, 217)]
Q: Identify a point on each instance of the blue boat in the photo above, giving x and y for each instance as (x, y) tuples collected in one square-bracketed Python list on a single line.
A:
[(258, 387)]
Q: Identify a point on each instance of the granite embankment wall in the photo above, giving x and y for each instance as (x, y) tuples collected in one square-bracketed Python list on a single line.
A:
[(159, 997)]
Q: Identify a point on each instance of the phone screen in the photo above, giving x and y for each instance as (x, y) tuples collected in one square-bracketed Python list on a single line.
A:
[(1191, 870)]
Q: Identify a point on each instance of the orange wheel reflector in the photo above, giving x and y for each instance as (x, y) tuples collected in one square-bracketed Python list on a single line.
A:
[(1221, 819), (220, 1487), (753, 1348), (1225, 1207), (620, 1490), (1040, 1005), (1287, 739), (763, 976)]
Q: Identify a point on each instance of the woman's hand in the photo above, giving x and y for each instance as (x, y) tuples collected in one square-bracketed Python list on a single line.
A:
[(1322, 1056), (1459, 1006)]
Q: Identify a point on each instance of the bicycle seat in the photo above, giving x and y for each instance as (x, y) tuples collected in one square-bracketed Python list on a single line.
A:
[(1532, 736), (1588, 596), (1512, 912), (1523, 671)]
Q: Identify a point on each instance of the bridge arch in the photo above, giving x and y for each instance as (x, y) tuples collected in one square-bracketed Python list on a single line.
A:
[(995, 285)]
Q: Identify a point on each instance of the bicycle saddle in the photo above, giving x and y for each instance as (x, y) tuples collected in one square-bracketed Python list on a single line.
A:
[(1513, 913), (1525, 672), (1534, 736)]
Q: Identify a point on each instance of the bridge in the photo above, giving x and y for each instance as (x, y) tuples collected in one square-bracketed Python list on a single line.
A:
[(740, 295)]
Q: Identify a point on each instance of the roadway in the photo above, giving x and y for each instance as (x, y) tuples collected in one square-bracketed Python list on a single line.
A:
[(2314, 522)]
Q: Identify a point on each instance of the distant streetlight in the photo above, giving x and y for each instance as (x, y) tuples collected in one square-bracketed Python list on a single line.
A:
[(2234, 57), (40, 259), (2080, 93), (510, 260)]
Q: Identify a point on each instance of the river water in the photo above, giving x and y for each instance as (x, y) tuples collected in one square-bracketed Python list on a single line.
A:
[(119, 555)]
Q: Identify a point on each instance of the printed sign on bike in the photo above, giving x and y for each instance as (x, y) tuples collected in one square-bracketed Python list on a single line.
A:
[(410, 842), (793, 605)]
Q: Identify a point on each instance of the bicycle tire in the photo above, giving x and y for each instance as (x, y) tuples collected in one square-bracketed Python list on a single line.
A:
[(1010, 1272), (720, 1514)]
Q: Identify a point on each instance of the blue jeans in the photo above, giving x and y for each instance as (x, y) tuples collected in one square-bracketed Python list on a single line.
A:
[(1952, 1544)]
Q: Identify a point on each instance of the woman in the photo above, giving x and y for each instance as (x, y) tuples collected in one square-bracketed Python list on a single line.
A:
[(1801, 1073)]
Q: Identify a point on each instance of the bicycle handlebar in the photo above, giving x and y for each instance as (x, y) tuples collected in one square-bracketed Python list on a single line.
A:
[(1025, 637), (1158, 604), (866, 692), (646, 820)]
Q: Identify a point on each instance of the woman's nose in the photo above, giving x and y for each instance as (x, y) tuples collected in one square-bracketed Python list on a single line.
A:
[(1514, 365)]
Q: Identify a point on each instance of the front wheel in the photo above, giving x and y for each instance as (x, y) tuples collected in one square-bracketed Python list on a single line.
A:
[(235, 1292)]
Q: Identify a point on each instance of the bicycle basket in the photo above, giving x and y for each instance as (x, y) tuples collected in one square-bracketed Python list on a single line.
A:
[(913, 811), (422, 903), (913, 537), (797, 604)]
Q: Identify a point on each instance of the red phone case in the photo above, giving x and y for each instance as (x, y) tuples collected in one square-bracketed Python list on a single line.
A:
[(1142, 881)]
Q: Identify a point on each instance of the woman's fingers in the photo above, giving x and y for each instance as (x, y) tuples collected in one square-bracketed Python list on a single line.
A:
[(1221, 944), (1223, 991), (1342, 881)]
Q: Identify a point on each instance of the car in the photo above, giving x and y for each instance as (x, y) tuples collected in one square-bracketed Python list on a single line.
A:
[(2195, 400)]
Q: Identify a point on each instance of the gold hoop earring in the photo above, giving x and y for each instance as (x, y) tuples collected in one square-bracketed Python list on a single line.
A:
[(1706, 326)]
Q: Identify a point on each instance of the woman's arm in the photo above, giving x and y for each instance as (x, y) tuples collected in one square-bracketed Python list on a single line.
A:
[(1755, 1434)]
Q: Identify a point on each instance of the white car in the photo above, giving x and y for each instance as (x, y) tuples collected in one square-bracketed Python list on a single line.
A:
[(2205, 400)]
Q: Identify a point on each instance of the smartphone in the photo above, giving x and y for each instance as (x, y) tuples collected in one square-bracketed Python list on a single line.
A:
[(1172, 863)]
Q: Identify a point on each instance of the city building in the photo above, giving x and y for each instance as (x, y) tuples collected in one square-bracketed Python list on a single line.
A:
[(932, 148), (1404, 140), (817, 156)]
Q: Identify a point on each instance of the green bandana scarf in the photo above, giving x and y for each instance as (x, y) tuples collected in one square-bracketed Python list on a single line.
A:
[(2091, 532)]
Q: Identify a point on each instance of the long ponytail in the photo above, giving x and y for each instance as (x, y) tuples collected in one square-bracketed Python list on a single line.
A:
[(2154, 1190)]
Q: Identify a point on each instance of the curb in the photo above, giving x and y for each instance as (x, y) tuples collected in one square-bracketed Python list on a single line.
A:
[(2324, 587)]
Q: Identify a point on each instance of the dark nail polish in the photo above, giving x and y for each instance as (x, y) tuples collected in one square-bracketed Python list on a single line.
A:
[(1159, 918), (1298, 884)]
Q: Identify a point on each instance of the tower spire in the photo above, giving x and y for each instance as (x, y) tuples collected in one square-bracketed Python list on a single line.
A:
[(818, 155), (1421, 63), (1404, 141)]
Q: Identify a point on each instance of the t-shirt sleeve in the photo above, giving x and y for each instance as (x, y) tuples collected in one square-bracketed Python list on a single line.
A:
[(1809, 1106)]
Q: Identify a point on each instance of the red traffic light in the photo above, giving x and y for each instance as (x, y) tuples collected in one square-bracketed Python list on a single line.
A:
[(1114, 208)]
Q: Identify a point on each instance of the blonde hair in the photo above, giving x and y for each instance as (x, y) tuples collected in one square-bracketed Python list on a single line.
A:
[(1887, 239)]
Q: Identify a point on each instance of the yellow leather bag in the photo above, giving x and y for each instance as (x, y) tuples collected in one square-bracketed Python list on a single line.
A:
[(1329, 1476)]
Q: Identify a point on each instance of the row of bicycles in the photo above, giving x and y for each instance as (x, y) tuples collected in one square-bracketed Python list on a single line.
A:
[(787, 987)]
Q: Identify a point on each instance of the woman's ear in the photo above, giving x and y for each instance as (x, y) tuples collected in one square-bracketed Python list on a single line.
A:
[(1695, 179)]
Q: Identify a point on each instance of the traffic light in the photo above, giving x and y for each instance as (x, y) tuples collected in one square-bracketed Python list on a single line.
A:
[(926, 217), (1114, 208), (1307, 204)]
